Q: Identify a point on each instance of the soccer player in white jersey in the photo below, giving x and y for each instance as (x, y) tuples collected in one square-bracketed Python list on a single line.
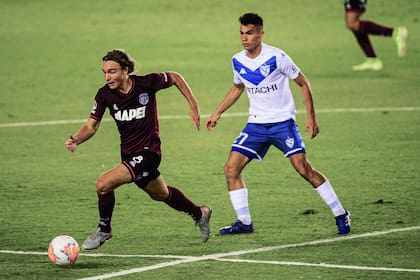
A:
[(264, 72)]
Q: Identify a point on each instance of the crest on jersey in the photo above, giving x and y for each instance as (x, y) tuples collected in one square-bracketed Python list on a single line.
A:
[(290, 142), (265, 70), (258, 75), (144, 98)]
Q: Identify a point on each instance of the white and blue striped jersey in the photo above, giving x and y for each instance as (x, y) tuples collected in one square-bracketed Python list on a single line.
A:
[(266, 79)]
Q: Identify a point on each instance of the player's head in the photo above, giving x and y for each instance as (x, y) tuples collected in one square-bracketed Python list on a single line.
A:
[(117, 65), (251, 18), (251, 31), (122, 58)]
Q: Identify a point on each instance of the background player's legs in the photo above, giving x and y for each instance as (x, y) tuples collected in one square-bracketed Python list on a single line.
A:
[(361, 31)]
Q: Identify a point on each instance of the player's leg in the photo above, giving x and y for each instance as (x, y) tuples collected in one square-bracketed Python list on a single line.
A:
[(158, 190), (324, 189), (105, 186), (238, 194), (400, 37), (353, 20), (353, 11)]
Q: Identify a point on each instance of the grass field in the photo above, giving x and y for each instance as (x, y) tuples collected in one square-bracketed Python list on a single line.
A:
[(369, 145)]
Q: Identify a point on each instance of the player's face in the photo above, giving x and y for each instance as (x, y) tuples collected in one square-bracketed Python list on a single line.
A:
[(251, 37), (114, 74)]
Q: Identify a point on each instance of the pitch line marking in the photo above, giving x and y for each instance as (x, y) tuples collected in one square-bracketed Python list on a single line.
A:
[(226, 115), (219, 256), (355, 267)]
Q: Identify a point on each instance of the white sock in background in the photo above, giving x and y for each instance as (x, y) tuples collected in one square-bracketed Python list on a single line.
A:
[(239, 199)]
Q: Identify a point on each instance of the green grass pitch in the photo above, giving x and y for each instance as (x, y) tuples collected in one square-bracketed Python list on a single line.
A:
[(369, 145)]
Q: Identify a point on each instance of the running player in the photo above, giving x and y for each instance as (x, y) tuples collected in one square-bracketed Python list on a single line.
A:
[(131, 101), (363, 28), (264, 71)]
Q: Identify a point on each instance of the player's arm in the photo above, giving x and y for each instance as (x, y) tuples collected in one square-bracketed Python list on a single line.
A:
[(232, 96), (186, 91), (85, 132), (311, 123)]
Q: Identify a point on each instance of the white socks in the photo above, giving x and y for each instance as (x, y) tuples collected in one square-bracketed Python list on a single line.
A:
[(328, 195), (239, 199)]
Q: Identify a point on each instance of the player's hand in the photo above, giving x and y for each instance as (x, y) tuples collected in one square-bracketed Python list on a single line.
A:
[(212, 121), (195, 117), (71, 144), (312, 128)]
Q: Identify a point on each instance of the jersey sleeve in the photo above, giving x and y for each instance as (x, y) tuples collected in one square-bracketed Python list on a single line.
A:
[(288, 67), (98, 108), (160, 80), (236, 78)]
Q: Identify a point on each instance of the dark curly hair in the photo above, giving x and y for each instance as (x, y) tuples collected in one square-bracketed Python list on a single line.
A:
[(122, 58)]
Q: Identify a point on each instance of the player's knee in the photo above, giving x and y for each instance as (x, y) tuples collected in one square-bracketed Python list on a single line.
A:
[(102, 187), (230, 171), (352, 26)]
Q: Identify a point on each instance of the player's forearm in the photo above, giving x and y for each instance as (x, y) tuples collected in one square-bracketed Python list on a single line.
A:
[(230, 99), (185, 89), (308, 101), (84, 133)]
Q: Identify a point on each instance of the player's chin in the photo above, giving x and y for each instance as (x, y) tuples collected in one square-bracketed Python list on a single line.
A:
[(112, 85)]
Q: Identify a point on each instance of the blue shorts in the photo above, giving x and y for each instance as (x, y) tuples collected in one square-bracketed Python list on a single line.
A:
[(255, 140)]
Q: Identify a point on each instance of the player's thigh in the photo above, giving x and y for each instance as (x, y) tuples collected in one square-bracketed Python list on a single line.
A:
[(113, 178), (353, 20), (252, 142), (235, 163), (286, 137)]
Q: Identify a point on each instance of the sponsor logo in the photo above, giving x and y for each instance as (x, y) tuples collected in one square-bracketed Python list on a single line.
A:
[(243, 71), (262, 90), (130, 114)]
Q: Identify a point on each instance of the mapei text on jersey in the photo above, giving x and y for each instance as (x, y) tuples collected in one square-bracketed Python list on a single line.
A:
[(130, 114)]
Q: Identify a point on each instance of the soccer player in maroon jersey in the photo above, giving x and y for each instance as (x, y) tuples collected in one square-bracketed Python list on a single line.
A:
[(131, 100), (363, 28)]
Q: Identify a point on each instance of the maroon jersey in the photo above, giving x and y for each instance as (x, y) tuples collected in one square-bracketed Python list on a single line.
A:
[(135, 113)]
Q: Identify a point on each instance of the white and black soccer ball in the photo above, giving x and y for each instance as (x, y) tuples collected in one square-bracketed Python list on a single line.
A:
[(63, 250)]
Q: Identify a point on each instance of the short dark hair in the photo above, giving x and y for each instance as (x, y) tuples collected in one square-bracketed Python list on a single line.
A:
[(251, 18), (122, 58)]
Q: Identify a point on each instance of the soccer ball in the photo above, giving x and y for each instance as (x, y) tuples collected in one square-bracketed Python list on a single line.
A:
[(63, 250)]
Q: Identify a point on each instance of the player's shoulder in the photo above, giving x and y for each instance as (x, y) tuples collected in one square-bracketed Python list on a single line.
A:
[(150, 76), (239, 55), (273, 50), (103, 90)]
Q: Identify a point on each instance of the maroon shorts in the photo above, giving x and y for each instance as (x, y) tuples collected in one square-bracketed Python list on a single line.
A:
[(143, 167)]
